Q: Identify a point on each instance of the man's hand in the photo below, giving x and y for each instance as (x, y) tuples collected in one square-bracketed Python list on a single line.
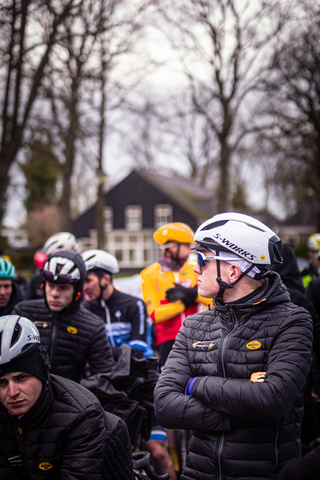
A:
[(179, 292), (257, 377)]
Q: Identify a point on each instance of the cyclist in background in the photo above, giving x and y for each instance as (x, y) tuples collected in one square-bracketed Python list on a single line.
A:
[(10, 293), (313, 270)]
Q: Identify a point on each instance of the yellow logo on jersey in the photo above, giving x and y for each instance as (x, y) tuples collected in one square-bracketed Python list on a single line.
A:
[(72, 330), (45, 466), (254, 345)]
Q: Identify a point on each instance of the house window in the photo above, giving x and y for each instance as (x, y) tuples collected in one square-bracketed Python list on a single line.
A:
[(108, 218), (162, 214), (133, 216)]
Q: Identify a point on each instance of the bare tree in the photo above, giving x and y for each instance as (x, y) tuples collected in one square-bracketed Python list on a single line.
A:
[(291, 110), (225, 45), (29, 30)]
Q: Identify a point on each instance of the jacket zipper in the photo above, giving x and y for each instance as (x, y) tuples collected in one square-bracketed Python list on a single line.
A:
[(53, 337), (223, 349)]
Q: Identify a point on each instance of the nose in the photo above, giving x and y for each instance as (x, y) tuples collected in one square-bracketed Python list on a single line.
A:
[(13, 390), (55, 291), (197, 269)]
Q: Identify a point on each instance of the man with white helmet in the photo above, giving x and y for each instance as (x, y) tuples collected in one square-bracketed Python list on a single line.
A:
[(236, 373), (313, 270), (60, 241), (51, 427), (74, 338), (125, 316)]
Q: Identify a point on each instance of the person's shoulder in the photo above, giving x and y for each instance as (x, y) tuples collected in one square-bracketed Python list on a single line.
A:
[(314, 284), (33, 304), (125, 297), (72, 393), (150, 269), (90, 317)]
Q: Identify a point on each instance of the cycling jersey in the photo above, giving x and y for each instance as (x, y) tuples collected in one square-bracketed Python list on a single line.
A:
[(125, 317)]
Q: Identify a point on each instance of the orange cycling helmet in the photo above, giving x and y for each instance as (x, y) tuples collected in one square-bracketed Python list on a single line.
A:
[(173, 232)]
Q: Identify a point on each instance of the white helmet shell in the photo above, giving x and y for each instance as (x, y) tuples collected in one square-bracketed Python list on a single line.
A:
[(313, 242), (99, 259), (60, 241), (243, 235), (18, 336), (61, 267)]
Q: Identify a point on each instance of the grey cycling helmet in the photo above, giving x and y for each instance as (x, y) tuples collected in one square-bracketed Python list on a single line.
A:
[(97, 260), (18, 336), (7, 270), (60, 241)]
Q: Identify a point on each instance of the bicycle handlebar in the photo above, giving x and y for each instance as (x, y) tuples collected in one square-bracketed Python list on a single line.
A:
[(142, 461)]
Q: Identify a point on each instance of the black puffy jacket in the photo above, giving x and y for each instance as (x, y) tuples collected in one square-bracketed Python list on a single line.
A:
[(241, 429), (71, 338), (66, 435)]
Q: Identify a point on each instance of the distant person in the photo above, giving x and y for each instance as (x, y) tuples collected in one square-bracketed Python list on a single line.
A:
[(290, 275), (125, 316), (313, 270), (236, 373), (51, 427), (10, 293), (169, 286), (74, 338), (35, 282)]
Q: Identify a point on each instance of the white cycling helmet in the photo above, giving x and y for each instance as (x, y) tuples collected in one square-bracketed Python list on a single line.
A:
[(18, 336), (61, 269), (60, 241), (242, 235), (313, 242), (100, 260)]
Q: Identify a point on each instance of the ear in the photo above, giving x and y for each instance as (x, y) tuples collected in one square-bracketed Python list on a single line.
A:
[(234, 272), (105, 280)]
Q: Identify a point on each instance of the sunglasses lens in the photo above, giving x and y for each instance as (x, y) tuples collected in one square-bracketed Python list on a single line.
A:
[(60, 280), (200, 260)]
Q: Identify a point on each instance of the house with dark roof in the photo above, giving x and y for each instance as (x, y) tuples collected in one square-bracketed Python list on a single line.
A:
[(303, 223), (138, 205)]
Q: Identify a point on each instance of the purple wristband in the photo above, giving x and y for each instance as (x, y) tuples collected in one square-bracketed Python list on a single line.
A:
[(188, 390)]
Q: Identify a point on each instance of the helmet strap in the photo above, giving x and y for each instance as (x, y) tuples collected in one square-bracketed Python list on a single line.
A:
[(224, 285)]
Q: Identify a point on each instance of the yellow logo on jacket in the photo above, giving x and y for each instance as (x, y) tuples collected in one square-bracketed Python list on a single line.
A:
[(45, 466), (72, 330), (254, 345)]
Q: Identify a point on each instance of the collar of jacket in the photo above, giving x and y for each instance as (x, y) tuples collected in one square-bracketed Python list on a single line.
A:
[(272, 291)]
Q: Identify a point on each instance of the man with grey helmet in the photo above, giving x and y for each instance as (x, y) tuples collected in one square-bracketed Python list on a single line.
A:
[(52, 427), (74, 338), (236, 373)]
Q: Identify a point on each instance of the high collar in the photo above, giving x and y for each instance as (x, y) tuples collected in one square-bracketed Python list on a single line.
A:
[(271, 292)]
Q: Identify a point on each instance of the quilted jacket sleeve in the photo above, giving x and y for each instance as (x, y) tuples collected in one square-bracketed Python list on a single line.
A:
[(287, 369), (174, 409)]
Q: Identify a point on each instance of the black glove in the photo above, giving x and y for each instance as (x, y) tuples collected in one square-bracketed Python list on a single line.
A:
[(186, 295)]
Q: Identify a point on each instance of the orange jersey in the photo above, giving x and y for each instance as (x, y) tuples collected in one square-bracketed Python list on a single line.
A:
[(168, 317)]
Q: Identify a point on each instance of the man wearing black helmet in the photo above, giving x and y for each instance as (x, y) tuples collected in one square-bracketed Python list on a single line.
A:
[(74, 338), (51, 427), (236, 373)]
